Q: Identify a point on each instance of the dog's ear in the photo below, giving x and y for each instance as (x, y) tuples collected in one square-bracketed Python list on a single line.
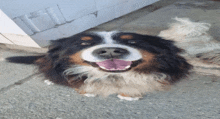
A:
[(174, 65), (24, 59)]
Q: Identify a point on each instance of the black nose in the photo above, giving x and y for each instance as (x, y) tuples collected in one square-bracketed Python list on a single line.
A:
[(108, 53)]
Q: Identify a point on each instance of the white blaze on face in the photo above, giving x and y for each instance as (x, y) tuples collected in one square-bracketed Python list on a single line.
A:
[(107, 36), (108, 42)]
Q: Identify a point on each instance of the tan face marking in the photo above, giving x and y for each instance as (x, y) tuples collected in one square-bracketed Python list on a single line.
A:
[(148, 59), (147, 56), (126, 37), (86, 38), (76, 58)]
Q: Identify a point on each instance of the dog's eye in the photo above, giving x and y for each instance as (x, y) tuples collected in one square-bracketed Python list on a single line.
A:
[(85, 43), (132, 42)]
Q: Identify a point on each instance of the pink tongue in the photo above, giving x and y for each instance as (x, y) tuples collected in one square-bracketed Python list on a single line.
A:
[(114, 64)]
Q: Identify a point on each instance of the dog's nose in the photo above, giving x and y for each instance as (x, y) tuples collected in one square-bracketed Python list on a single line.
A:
[(110, 52)]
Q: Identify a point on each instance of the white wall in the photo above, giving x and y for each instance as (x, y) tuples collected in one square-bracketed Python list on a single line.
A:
[(47, 20)]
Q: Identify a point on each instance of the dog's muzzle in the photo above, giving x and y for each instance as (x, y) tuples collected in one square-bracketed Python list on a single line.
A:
[(112, 58)]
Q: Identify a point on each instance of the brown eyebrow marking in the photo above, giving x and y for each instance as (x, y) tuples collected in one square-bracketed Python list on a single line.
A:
[(86, 38), (126, 37)]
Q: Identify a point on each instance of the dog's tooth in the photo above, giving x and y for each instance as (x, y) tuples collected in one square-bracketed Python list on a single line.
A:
[(102, 67), (127, 67)]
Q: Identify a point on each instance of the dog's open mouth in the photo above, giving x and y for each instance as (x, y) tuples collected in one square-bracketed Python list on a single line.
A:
[(115, 65)]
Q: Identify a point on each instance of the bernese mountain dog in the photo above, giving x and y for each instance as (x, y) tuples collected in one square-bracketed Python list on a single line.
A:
[(123, 63), (104, 63)]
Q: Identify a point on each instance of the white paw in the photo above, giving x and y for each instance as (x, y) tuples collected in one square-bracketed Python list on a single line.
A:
[(2, 59), (48, 82), (89, 95), (128, 98)]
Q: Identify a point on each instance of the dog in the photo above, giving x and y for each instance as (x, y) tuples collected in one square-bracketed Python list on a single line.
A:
[(104, 63), (123, 63)]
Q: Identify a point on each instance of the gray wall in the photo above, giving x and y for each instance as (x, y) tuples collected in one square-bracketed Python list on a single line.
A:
[(47, 20)]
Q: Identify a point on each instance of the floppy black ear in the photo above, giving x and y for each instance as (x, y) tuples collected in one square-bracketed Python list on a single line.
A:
[(24, 59), (174, 65)]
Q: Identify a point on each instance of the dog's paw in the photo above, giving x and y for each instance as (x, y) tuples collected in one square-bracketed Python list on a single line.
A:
[(81, 92), (122, 97), (89, 95), (48, 82)]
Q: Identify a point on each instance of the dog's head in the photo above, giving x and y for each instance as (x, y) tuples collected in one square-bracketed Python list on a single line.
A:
[(112, 53)]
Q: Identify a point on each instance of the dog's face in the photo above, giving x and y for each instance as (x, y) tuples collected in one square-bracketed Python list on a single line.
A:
[(115, 56)]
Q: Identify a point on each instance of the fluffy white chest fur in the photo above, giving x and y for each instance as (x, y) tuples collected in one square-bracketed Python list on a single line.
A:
[(104, 83)]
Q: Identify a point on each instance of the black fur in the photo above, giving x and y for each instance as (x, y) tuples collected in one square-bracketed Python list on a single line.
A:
[(151, 44)]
